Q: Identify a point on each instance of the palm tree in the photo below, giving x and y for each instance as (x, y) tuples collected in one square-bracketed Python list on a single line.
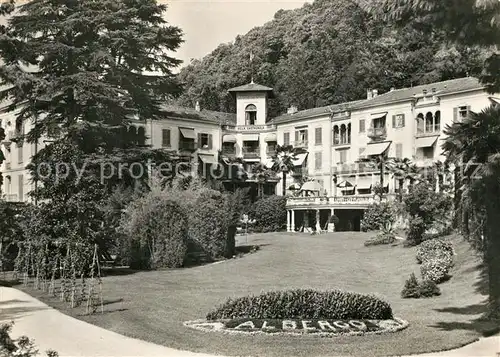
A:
[(283, 160), (402, 170), (382, 163), (473, 145), (262, 174)]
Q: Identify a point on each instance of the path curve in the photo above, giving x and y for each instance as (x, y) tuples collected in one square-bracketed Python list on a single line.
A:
[(70, 337)]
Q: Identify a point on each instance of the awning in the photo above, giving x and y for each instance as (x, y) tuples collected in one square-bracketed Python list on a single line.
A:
[(376, 148), (253, 137), (344, 184), (187, 133), (208, 159), (426, 142), (299, 159), (495, 100), (311, 186), (294, 186), (365, 188), (378, 115), (344, 189), (271, 137), (229, 138)]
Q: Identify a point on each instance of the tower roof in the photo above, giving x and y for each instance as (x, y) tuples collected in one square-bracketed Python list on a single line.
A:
[(252, 87)]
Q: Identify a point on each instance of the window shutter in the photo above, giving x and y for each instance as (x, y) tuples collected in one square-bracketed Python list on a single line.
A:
[(318, 134), (199, 140), (402, 120), (393, 121), (318, 161), (20, 153), (468, 110), (297, 133), (305, 136), (362, 126), (399, 151), (210, 141), (286, 139), (165, 137), (21, 187), (455, 114)]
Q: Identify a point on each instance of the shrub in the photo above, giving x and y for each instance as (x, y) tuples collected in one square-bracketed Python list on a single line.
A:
[(270, 214), (334, 219), (411, 288), (22, 346), (378, 216), (429, 288), (156, 228), (381, 238), (416, 229), (415, 289), (436, 269), (304, 304), (434, 248)]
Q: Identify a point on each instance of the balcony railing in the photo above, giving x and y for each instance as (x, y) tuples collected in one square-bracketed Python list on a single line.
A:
[(271, 151), (229, 152), (249, 127), (377, 133), (187, 145), (338, 142), (11, 198), (251, 152), (436, 130), (300, 144), (319, 201)]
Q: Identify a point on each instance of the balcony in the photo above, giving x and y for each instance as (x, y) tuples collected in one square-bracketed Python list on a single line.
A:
[(300, 144), (317, 202), (271, 151), (433, 131), (342, 142), (229, 152), (187, 145), (251, 152), (249, 128), (377, 133), (11, 198)]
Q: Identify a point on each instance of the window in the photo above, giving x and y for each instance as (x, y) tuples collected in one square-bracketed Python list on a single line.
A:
[(318, 161), (250, 114), (463, 112), (336, 135), (437, 121), (398, 121), (428, 152), (420, 123), (141, 136), (286, 139), (301, 137), (318, 136), (21, 187), (342, 156), (429, 122), (165, 138), (399, 151), (204, 141), (362, 126), (379, 123)]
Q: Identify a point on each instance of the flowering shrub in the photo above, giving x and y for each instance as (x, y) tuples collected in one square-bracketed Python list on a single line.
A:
[(378, 216), (434, 248), (270, 214), (304, 304), (436, 269)]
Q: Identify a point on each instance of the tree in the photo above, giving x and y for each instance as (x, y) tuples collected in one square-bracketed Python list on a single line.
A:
[(381, 163), (472, 144), (262, 174), (471, 23), (403, 169), (283, 161)]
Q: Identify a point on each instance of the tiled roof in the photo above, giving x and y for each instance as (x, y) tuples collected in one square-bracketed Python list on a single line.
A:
[(445, 87), (251, 87), (203, 115), (307, 113)]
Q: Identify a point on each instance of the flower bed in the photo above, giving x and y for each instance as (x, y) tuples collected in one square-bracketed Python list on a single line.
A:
[(298, 327)]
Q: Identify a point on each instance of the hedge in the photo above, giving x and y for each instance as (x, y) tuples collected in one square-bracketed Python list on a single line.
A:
[(436, 269), (304, 304), (270, 214)]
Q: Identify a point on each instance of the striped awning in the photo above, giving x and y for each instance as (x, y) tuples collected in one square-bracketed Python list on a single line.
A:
[(376, 148), (252, 137), (299, 159), (228, 138), (208, 159)]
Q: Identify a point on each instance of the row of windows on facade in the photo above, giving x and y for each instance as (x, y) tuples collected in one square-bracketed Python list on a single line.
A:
[(205, 141)]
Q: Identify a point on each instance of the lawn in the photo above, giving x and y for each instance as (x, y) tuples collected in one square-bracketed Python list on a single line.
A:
[(152, 306)]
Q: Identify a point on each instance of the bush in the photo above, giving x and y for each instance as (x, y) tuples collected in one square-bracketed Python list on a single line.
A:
[(429, 288), (334, 219), (381, 238), (304, 304), (416, 229), (22, 346), (270, 214), (156, 228), (411, 288), (415, 289), (436, 269), (434, 248), (378, 216)]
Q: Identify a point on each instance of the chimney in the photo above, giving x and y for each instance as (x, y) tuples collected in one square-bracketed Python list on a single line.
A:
[(393, 89), (375, 93), (424, 91), (369, 94), (433, 90), (292, 110), (197, 106)]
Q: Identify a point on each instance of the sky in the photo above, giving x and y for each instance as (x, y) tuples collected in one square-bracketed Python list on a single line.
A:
[(208, 23)]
